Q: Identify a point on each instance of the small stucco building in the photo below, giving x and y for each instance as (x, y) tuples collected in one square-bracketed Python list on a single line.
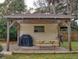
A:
[(43, 28)]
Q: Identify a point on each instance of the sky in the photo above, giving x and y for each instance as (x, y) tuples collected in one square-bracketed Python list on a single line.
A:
[(2, 1), (29, 3)]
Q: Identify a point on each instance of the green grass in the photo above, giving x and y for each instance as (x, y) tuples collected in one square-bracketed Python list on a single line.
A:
[(74, 45), (42, 56)]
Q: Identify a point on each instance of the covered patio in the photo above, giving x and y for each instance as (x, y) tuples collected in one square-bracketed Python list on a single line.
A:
[(34, 49), (61, 20)]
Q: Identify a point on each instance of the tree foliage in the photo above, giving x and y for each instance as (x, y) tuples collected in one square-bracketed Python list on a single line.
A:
[(17, 6), (57, 6), (51, 6), (10, 7)]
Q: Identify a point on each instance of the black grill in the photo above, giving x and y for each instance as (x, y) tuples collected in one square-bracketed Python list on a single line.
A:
[(25, 40)]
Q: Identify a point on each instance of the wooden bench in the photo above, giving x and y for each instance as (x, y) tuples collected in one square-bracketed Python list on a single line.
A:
[(50, 43)]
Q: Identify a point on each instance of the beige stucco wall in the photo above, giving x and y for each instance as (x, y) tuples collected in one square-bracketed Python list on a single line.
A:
[(50, 33)]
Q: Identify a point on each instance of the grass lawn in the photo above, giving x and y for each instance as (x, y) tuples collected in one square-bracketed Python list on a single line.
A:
[(74, 45), (42, 56), (46, 56)]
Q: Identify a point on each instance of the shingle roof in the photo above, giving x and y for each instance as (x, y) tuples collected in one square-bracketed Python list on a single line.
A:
[(37, 16)]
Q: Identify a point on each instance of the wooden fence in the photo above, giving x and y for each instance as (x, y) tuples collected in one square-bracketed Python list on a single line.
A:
[(74, 35)]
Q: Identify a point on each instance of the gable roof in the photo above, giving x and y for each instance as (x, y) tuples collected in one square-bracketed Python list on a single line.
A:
[(37, 16)]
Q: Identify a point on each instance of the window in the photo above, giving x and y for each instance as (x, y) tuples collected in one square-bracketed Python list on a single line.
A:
[(63, 28), (39, 29)]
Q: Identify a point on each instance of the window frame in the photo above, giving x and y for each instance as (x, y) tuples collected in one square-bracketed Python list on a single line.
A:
[(39, 29)]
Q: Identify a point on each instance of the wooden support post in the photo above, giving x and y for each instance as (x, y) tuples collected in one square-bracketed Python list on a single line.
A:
[(7, 35), (59, 34), (69, 36), (12, 24), (18, 34)]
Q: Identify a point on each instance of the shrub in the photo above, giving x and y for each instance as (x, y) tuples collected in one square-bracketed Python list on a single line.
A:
[(1, 48)]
